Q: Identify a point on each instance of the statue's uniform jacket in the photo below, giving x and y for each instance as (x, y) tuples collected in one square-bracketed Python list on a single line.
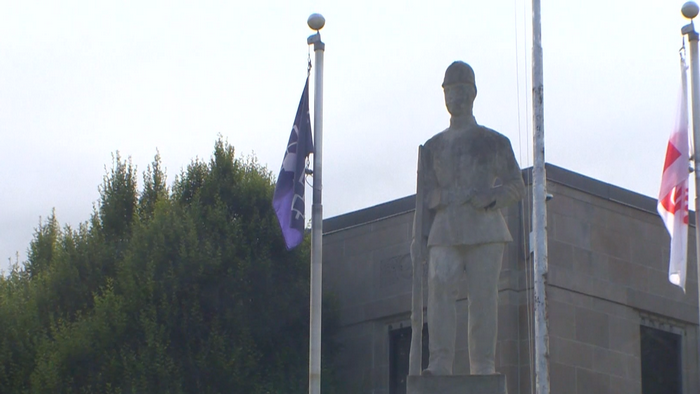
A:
[(460, 162)]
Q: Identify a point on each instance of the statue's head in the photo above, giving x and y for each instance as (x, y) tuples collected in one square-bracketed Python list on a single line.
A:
[(460, 88)]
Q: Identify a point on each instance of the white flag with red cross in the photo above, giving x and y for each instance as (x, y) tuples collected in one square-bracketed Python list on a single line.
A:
[(673, 196)]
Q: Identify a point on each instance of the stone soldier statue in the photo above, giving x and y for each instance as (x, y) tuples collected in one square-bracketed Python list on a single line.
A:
[(470, 173)]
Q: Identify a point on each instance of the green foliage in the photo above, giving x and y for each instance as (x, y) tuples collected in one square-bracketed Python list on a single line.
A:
[(154, 188), (42, 248), (118, 201), (181, 290)]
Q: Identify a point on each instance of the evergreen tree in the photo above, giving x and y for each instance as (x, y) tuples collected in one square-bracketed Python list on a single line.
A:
[(181, 290)]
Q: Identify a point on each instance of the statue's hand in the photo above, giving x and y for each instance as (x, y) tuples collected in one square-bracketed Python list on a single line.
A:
[(483, 199)]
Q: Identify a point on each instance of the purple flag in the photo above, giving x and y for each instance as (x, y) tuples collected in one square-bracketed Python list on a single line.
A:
[(289, 192)]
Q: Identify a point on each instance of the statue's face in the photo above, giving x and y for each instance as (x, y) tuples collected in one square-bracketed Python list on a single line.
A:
[(459, 98)]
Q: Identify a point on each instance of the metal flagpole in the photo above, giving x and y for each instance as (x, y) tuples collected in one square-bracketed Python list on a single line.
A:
[(539, 209), (690, 11), (316, 22)]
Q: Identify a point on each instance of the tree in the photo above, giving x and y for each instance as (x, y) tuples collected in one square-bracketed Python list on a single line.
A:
[(180, 290)]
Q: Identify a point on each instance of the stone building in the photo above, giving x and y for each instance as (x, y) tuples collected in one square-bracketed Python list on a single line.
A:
[(616, 325)]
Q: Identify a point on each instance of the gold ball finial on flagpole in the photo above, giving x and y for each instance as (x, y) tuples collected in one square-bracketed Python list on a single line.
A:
[(316, 22), (690, 9)]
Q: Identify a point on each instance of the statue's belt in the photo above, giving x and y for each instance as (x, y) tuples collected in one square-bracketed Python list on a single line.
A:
[(443, 197)]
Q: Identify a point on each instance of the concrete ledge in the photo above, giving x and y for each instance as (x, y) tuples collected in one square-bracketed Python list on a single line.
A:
[(457, 384)]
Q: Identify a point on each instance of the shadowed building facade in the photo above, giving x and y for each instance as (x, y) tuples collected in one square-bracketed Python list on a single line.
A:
[(616, 324)]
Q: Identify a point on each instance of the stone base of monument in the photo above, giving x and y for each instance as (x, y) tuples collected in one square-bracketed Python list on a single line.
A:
[(457, 384)]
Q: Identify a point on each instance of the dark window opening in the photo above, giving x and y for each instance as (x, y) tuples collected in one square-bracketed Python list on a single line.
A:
[(661, 362), (399, 349)]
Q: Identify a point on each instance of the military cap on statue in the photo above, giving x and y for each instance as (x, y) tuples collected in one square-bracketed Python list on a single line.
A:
[(459, 72)]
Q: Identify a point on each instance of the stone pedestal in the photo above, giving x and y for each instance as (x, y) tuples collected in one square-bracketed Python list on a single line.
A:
[(457, 384)]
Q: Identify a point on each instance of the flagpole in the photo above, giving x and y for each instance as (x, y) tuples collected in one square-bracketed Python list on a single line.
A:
[(316, 22), (690, 11), (539, 209)]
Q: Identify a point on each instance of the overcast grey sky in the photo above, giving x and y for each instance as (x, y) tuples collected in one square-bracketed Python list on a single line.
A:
[(80, 80)]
